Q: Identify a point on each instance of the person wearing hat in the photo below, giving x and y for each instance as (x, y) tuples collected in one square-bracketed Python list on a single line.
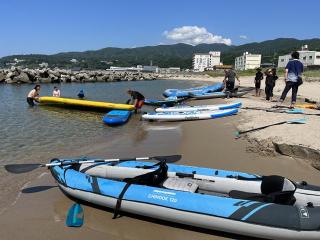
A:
[(271, 77), (257, 81), (81, 94)]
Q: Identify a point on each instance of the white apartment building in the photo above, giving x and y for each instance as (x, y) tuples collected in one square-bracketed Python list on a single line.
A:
[(307, 57), (201, 61), (247, 61)]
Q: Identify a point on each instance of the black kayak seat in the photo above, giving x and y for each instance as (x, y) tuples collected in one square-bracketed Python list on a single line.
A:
[(274, 189)]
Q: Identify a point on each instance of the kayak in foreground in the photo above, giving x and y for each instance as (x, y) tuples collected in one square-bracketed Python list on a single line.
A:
[(116, 117), (185, 108), (268, 207), (181, 116), (202, 95), (83, 104)]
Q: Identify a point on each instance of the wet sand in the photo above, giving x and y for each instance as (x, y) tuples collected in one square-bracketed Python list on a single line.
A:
[(209, 143)]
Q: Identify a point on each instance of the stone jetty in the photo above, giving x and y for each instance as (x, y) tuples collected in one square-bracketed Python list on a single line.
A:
[(46, 75)]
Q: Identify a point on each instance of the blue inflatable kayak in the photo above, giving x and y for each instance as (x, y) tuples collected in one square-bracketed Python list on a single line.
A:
[(168, 102), (116, 117), (268, 207), (186, 92)]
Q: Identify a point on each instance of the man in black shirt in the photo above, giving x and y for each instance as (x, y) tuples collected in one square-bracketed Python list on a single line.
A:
[(137, 99)]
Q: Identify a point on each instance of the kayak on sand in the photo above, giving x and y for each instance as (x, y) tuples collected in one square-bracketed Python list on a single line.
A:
[(186, 108), (182, 116), (268, 207)]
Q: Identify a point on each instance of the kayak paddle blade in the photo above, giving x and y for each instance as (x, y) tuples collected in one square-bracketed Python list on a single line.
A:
[(22, 168), (168, 159), (298, 121), (75, 216)]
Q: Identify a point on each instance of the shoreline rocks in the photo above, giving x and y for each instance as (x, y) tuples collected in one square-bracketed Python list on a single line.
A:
[(16, 75)]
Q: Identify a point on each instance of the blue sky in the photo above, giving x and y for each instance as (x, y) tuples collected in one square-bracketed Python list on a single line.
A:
[(35, 26)]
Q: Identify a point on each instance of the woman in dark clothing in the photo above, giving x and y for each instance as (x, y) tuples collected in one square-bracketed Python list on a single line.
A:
[(269, 84), (257, 81), (271, 77)]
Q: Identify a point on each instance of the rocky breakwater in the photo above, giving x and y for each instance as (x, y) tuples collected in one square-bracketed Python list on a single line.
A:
[(26, 75)]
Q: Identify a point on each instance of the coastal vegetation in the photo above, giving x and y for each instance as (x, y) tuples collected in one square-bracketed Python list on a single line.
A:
[(176, 55)]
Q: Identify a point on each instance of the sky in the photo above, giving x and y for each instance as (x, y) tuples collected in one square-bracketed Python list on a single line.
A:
[(52, 26)]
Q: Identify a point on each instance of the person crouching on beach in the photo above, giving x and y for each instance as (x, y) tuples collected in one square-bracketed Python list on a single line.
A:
[(33, 95), (56, 92), (257, 81), (137, 99), (229, 81), (293, 79)]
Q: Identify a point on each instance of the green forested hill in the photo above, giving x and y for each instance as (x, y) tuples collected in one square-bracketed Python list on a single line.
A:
[(163, 55)]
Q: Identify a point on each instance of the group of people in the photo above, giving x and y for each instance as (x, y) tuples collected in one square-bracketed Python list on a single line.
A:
[(293, 80), (136, 98)]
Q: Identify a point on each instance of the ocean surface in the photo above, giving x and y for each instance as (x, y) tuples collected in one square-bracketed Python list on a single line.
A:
[(29, 134)]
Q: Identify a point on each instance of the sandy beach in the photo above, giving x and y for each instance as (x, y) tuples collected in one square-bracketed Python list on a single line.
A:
[(209, 143), (287, 139)]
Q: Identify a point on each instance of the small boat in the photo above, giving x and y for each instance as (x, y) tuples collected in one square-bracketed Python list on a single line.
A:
[(268, 207), (170, 101), (185, 92), (83, 104), (182, 116), (186, 108), (205, 95), (116, 117)]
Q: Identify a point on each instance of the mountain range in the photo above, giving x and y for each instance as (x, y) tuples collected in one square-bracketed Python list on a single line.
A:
[(175, 55)]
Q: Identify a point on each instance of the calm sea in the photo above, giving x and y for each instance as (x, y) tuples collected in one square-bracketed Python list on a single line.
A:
[(29, 134)]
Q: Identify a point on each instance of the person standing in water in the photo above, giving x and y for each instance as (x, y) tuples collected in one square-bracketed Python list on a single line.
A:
[(293, 80), (81, 94), (137, 99), (33, 95), (257, 81), (56, 92)]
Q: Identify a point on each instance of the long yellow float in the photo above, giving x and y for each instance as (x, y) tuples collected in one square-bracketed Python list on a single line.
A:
[(77, 103)]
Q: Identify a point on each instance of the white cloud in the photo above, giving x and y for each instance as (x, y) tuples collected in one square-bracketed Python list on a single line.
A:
[(243, 37), (194, 35)]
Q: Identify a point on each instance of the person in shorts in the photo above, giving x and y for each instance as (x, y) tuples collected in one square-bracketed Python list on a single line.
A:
[(33, 95), (257, 81), (137, 99)]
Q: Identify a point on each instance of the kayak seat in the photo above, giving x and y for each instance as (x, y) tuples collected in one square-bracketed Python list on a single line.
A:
[(274, 189), (180, 184)]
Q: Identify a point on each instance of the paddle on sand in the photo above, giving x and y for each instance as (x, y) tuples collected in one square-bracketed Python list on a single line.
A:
[(28, 167), (289, 111), (75, 216), (292, 121)]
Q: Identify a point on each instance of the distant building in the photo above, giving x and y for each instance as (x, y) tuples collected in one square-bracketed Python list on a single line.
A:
[(307, 57), (202, 61), (73, 60), (170, 70), (154, 69), (247, 61)]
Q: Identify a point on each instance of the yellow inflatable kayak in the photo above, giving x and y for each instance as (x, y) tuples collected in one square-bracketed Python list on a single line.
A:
[(77, 103)]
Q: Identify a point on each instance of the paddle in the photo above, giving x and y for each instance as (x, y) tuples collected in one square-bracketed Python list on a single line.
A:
[(28, 167), (289, 111), (75, 216), (297, 121)]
